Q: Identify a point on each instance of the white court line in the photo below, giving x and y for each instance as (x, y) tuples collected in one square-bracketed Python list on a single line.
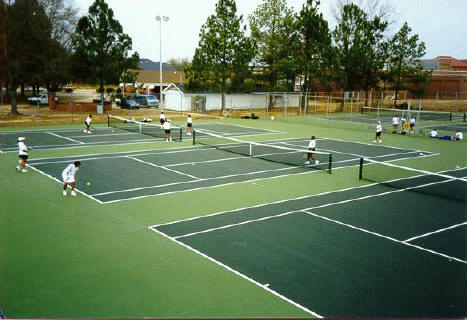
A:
[(310, 208), (107, 135), (232, 183), (66, 138), (437, 231), (239, 274), (164, 168), (385, 237), (287, 200), (61, 182)]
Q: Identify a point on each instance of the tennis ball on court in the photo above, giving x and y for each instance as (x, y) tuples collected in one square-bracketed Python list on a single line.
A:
[(422, 154), (88, 183), (193, 164), (272, 117)]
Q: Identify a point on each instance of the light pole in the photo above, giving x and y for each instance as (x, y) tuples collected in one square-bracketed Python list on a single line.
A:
[(160, 19)]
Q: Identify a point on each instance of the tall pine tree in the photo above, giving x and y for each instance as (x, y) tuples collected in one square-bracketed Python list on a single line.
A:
[(224, 51)]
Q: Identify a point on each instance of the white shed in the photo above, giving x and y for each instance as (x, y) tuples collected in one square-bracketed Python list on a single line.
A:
[(175, 99)]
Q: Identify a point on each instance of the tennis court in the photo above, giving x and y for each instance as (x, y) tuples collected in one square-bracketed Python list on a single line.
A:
[(161, 172), (346, 253), (113, 134)]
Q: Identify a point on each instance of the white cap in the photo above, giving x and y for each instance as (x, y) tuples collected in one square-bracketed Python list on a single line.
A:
[(21, 139)]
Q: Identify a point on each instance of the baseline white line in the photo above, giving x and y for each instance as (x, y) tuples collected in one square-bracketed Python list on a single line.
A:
[(62, 137), (238, 274), (437, 231), (61, 183), (385, 237), (281, 201), (164, 168), (107, 135)]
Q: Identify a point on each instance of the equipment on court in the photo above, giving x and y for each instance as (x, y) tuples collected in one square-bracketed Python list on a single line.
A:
[(449, 185), (278, 152), (88, 184), (150, 129), (388, 113)]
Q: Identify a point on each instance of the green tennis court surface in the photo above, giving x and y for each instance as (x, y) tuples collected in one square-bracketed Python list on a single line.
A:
[(339, 254), (50, 139), (160, 172)]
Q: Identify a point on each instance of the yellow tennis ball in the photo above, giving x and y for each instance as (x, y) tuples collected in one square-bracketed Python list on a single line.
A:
[(88, 184), (193, 164)]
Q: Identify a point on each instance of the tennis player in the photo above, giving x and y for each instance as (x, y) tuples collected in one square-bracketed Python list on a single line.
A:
[(166, 126), (69, 178), (189, 125), (87, 122), (311, 155), (395, 124), (412, 124), (162, 118), (379, 131), (23, 150), (405, 126)]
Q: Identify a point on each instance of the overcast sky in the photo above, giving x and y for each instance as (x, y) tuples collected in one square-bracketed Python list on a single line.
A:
[(442, 25)]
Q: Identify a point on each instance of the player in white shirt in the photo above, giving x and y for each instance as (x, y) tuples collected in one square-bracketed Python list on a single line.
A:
[(87, 122), (23, 150), (395, 123), (412, 124), (68, 176), (189, 125), (310, 155), (458, 136), (162, 118), (166, 126), (379, 131), (433, 134)]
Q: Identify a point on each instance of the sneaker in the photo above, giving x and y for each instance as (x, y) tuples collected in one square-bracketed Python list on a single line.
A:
[(316, 162), (73, 193), (17, 168), (89, 132), (307, 162), (374, 140), (85, 131), (380, 141), (64, 193), (24, 170)]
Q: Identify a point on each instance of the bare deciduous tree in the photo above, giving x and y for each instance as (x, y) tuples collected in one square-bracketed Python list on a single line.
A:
[(63, 17), (373, 8)]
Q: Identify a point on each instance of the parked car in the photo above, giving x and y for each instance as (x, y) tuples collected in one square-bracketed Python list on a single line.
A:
[(98, 100), (129, 104), (41, 99), (147, 100)]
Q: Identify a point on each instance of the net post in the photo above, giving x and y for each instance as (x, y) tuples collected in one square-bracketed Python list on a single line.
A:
[(194, 135), (450, 116), (181, 133), (330, 163), (108, 120), (465, 116), (251, 149), (360, 170)]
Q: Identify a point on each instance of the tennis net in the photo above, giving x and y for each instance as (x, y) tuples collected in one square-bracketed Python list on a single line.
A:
[(274, 153), (382, 113), (451, 186), (150, 129)]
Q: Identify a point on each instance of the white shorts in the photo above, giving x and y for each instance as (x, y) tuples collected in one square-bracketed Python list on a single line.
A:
[(68, 179)]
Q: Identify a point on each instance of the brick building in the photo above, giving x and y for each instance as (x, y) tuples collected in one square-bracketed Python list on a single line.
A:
[(449, 77)]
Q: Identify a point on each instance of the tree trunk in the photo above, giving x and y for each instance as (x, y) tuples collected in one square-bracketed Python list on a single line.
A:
[(14, 108)]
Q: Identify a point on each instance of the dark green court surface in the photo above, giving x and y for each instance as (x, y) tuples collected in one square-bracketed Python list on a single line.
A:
[(161, 172), (340, 254)]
